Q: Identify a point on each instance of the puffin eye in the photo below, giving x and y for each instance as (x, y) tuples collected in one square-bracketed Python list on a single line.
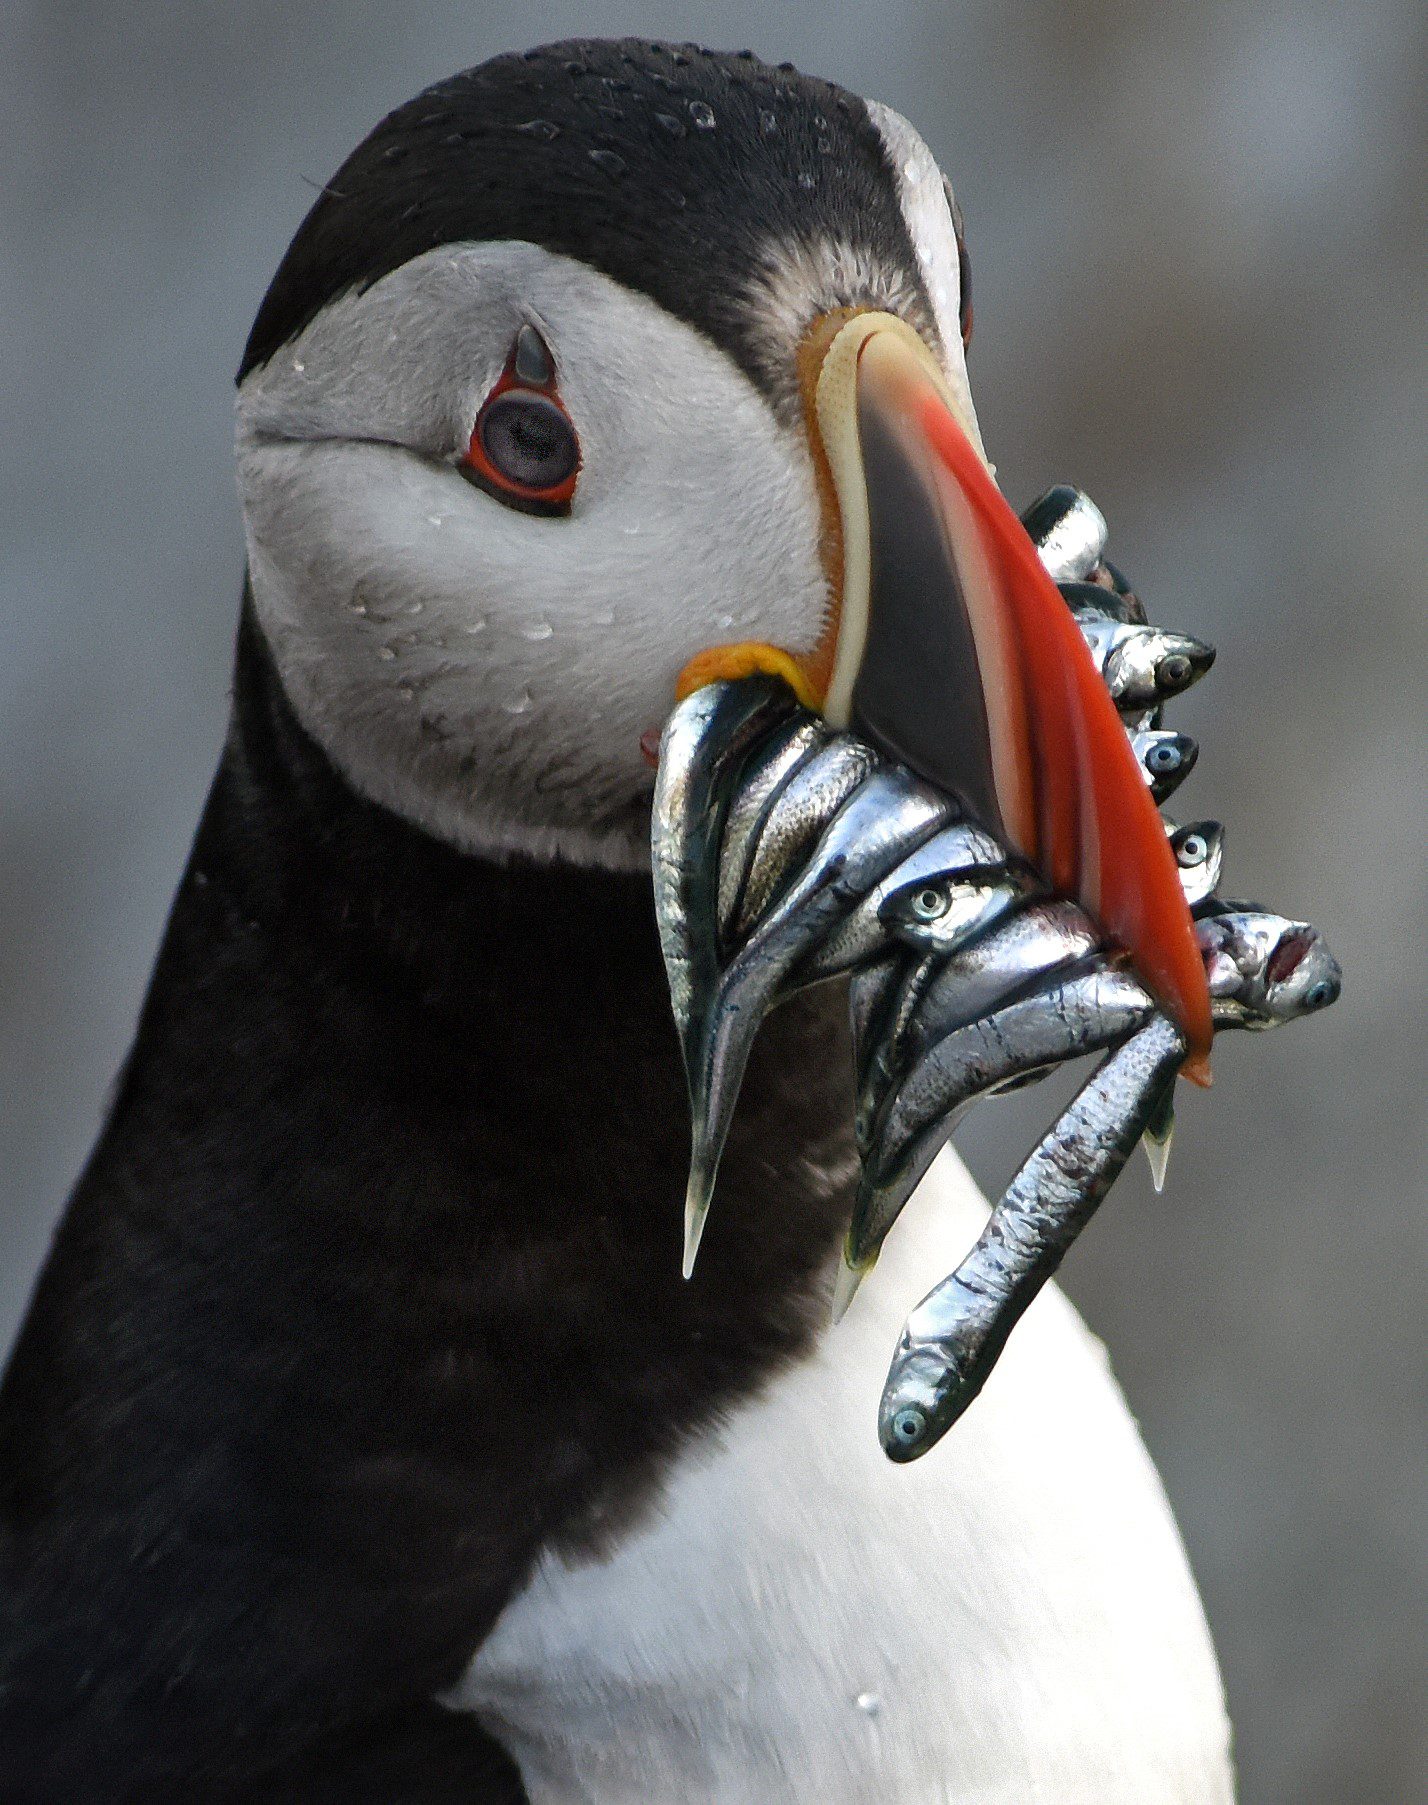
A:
[(524, 449), (964, 267)]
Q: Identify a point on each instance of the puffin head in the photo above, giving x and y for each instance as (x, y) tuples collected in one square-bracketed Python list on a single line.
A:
[(606, 370), (526, 423)]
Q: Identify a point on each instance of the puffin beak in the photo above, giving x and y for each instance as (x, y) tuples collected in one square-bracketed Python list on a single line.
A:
[(951, 649)]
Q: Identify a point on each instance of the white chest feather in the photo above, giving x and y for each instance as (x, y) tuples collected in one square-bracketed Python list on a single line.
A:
[(799, 1621)]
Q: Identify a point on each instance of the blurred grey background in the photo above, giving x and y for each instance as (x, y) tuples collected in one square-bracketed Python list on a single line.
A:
[(1199, 242)]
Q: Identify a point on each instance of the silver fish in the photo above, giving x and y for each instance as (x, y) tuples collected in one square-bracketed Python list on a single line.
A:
[(704, 740), (967, 870), (945, 994), (889, 814), (1264, 970), (1165, 758), (796, 817), (980, 976), (768, 769), (1082, 1011), (878, 1063), (1199, 849), (1069, 532), (952, 1340), (1105, 597), (1144, 666)]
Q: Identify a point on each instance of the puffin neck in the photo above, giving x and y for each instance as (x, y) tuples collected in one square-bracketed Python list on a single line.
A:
[(438, 918)]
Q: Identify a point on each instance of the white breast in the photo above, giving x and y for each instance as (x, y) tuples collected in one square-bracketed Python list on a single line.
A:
[(799, 1621)]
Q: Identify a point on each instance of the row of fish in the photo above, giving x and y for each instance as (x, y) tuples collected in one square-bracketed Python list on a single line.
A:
[(786, 854)]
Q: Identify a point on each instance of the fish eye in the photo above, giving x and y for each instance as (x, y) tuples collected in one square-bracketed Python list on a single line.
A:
[(928, 903), (1193, 850), (909, 1425), (1163, 757), (1320, 995), (524, 449), (1173, 670)]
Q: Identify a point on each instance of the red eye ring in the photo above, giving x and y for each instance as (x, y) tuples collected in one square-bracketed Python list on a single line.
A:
[(524, 449)]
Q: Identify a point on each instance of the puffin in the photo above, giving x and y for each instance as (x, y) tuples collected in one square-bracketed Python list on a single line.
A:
[(363, 1440)]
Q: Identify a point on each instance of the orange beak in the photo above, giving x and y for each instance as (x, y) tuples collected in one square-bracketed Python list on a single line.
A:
[(952, 650)]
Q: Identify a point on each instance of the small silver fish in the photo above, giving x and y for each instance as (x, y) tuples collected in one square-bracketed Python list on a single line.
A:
[(1020, 950), (952, 1340), (1079, 1012), (1105, 597), (884, 819), (1263, 971), (768, 769), (1144, 666), (945, 994), (1199, 849), (704, 740), (795, 818), (1165, 758), (1069, 532), (955, 863)]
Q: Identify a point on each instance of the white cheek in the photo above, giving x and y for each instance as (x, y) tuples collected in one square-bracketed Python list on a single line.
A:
[(489, 673)]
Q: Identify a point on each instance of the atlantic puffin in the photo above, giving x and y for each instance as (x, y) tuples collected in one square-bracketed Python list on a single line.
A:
[(364, 1441)]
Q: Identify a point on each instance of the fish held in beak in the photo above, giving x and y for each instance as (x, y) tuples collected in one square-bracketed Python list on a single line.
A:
[(952, 651)]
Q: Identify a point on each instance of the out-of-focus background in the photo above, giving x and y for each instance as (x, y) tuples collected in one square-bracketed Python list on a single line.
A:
[(1199, 242)]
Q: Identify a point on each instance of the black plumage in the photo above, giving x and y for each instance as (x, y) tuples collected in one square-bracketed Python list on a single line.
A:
[(371, 1291), (671, 169), (371, 1288)]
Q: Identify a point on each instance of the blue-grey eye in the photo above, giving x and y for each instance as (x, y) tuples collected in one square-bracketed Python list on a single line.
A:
[(1194, 849), (909, 1425), (928, 903)]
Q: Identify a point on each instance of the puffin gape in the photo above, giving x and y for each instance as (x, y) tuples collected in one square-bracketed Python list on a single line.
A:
[(364, 1440)]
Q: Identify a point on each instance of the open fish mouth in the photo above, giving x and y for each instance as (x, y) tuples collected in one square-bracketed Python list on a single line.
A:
[(788, 851)]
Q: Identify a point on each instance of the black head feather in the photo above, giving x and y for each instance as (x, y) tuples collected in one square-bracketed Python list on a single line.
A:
[(669, 168)]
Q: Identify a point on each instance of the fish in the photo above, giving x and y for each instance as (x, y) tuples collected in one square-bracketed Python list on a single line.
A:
[(1069, 532), (1104, 598), (885, 818), (1081, 1011), (1166, 759), (703, 743), (1019, 952), (952, 1340), (795, 818), (1143, 666), (947, 890), (1264, 971), (1044, 936), (1199, 849), (1158, 1135), (768, 769)]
